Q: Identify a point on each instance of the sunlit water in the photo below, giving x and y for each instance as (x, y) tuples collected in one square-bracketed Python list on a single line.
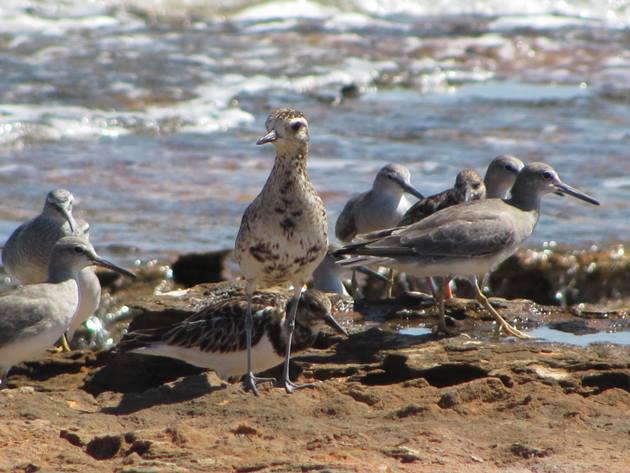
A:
[(148, 111), (547, 334)]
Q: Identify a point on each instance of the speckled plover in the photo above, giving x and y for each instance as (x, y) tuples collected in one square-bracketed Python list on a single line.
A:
[(283, 234)]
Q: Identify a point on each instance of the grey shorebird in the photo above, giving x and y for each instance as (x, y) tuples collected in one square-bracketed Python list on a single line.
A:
[(381, 207), (500, 176), (466, 239), (468, 187), (33, 317), (27, 251), (215, 337), (283, 234), (89, 288)]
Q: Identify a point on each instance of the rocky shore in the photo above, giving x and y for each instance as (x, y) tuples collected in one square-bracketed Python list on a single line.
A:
[(384, 400)]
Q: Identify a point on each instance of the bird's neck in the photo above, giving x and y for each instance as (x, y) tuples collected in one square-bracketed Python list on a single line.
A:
[(495, 190), (523, 198), (58, 273), (291, 158), (303, 336), (288, 176)]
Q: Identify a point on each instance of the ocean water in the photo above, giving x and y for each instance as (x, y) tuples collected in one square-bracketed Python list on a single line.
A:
[(148, 111)]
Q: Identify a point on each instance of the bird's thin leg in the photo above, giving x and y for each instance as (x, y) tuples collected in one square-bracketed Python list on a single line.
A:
[(64, 343), (249, 380), (289, 385), (439, 295), (61, 346), (448, 294), (4, 375), (502, 325), (390, 283), (354, 285)]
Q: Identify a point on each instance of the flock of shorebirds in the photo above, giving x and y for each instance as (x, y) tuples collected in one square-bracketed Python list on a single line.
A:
[(462, 232)]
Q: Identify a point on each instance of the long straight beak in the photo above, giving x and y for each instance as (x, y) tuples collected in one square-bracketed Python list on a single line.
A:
[(68, 216), (268, 138), (109, 265), (331, 322), (573, 192), (409, 189), (370, 272)]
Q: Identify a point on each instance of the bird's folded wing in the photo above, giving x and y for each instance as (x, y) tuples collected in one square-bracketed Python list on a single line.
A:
[(486, 234), (345, 227)]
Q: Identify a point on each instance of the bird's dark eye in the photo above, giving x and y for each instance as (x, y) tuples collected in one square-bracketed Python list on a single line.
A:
[(78, 250), (296, 126), (547, 175), (510, 168)]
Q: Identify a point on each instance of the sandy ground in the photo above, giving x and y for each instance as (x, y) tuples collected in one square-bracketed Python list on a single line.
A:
[(382, 401), (379, 404)]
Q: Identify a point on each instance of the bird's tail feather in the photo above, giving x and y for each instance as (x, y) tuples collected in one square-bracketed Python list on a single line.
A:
[(140, 339)]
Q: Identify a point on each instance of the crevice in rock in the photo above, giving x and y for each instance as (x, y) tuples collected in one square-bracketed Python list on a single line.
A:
[(604, 381)]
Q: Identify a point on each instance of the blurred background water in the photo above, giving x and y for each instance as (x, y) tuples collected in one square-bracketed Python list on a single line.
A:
[(148, 110)]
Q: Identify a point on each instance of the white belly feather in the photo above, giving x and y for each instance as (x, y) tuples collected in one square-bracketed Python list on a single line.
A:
[(224, 364)]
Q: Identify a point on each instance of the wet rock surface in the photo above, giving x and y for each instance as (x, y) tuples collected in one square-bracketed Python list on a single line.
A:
[(383, 400)]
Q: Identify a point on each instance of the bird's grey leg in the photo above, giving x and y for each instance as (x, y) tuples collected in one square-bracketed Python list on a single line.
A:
[(502, 325), (390, 283), (249, 380), (289, 385), (4, 375), (484, 279), (65, 346), (62, 345), (439, 295), (354, 285)]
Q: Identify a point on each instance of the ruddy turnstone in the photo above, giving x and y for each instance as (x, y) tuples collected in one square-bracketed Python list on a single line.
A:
[(216, 337)]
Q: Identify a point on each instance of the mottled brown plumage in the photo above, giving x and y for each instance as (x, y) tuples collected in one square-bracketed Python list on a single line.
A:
[(211, 337), (283, 234), (468, 186)]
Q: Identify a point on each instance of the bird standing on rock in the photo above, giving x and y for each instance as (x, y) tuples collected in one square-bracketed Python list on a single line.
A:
[(467, 239), (283, 234), (32, 317), (381, 207), (468, 187), (215, 336), (89, 288), (27, 251)]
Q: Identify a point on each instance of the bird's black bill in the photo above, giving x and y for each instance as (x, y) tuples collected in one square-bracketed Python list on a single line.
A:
[(573, 192), (331, 322), (370, 272), (109, 265), (268, 138), (68, 217), (409, 189)]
